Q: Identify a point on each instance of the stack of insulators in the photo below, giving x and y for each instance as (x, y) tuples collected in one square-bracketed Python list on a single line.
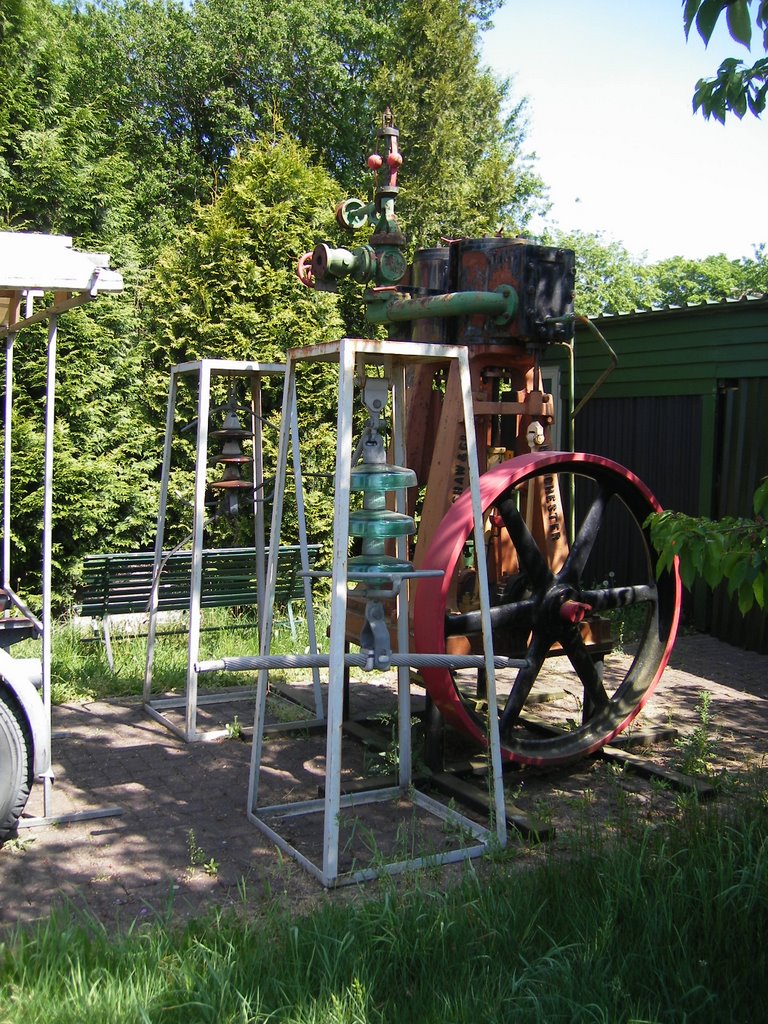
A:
[(232, 458), (375, 523)]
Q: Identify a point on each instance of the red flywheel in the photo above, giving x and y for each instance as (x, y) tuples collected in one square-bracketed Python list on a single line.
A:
[(593, 623)]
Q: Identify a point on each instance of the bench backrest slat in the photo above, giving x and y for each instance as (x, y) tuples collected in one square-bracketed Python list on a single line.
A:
[(121, 582)]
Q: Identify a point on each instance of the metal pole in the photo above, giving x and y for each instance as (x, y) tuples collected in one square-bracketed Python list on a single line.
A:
[(289, 401), (198, 526), (158, 561), (399, 456), (50, 402), (259, 491), (336, 651), (7, 423), (494, 740), (303, 545)]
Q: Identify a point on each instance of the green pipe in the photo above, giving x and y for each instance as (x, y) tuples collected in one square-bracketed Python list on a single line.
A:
[(501, 304)]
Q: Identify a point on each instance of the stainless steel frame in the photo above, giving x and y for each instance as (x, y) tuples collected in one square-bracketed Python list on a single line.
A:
[(202, 372), (352, 355)]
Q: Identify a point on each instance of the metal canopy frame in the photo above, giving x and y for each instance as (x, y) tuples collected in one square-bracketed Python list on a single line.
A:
[(202, 372), (33, 266), (352, 354)]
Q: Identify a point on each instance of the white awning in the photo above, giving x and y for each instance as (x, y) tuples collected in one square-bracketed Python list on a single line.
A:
[(32, 264)]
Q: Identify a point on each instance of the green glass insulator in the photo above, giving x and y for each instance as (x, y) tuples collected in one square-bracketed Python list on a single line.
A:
[(380, 524), (381, 478), (378, 565)]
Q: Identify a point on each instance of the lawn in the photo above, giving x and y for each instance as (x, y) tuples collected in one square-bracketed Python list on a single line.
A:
[(664, 923)]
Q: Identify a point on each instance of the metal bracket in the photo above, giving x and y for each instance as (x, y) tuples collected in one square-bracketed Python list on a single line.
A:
[(374, 638)]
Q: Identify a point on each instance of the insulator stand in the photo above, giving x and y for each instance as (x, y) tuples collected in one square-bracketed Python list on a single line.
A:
[(377, 574), (200, 375), (231, 435)]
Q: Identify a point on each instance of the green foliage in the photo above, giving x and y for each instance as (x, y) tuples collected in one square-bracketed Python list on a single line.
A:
[(683, 281), (104, 450), (736, 87), (608, 278), (464, 173), (730, 549), (697, 749), (227, 288)]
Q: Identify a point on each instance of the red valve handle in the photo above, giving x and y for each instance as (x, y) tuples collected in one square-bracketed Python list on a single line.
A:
[(304, 270)]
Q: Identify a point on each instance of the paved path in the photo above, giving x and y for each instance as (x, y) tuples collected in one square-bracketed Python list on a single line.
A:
[(185, 803)]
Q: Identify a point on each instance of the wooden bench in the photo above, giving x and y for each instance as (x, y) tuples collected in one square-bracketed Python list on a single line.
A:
[(121, 583)]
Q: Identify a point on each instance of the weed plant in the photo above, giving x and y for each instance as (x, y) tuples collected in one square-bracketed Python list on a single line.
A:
[(670, 929), (696, 751)]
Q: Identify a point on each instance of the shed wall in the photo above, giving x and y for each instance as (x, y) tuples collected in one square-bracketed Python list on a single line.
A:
[(687, 411)]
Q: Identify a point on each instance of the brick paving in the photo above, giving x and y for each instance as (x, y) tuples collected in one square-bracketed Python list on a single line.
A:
[(175, 795)]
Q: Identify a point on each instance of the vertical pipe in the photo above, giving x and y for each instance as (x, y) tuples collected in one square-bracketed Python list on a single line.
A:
[(289, 401), (399, 456), (303, 545), (338, 610), (50, 403), (7, 424), (259, 492), (198, 526), (159, 539), (494, 740)]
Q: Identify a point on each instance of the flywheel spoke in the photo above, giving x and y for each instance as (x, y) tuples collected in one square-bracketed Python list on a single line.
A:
[(526, 677), (532, 561), (581, 548), (586, 669), (516, 614)]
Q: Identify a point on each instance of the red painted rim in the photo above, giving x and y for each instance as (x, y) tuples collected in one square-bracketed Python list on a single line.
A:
[(431, 596)]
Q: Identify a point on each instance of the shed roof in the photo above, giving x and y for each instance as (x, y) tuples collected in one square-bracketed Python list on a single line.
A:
[(698, 308), (35, 263)]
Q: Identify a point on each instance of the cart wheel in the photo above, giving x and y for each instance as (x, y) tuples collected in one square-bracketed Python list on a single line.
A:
[(15, 764), (567, 613)]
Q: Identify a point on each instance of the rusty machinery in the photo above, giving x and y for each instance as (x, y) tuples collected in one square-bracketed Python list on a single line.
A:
[(549, 514)]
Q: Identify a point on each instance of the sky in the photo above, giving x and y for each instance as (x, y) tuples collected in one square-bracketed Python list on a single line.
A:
[(609, 86)]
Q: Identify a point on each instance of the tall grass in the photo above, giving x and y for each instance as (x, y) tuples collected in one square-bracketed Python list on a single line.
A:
[(80, 672), (671, 929)]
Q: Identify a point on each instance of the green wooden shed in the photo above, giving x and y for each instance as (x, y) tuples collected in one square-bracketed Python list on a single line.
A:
[(687, 410)]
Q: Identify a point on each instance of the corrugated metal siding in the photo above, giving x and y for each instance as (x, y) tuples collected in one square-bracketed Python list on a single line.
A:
[(665, 415), (683, 351), (659, 440), (742, 463)]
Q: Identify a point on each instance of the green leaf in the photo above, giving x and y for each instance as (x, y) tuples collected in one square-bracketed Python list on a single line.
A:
[(696, 552), (746, 597), (713, 562), (757, 101), (688, 571), (760, 500), (739, 22), (707, 17), (758, 588), (690, 7)]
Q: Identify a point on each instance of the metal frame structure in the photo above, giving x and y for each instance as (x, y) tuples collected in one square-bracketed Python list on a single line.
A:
[(203, 371), (31, 267), (352, 355)]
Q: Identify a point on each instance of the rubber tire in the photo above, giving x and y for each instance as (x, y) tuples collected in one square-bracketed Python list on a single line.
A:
[(15, 764)]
